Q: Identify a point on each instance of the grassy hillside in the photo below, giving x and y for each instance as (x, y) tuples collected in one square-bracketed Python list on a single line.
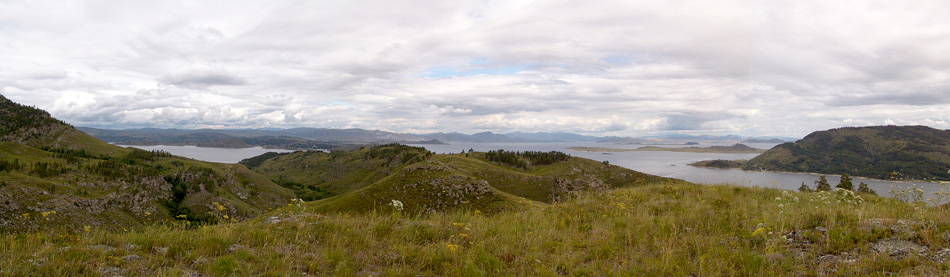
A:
[(659, 229), (883, 152), (337, 172), (372, 177), (54, 177), (35, 127)]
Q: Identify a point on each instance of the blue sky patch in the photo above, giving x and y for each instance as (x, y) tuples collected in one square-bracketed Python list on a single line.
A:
[(442, 72)]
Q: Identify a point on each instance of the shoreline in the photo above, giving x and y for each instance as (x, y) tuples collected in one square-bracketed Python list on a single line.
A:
[(823, 174), (668, 149)]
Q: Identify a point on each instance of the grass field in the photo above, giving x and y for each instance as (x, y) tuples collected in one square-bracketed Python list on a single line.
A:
[(658, 229)]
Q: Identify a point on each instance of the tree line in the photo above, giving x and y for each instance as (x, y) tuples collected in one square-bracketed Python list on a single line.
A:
[(525, 159), (845, 183)]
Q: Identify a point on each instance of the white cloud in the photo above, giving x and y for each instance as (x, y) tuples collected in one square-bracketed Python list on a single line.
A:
[(604, 67)]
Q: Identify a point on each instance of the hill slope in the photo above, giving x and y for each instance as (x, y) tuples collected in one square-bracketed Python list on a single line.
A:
[(53, 176), (370, 178), (35, 127), (884, 152)]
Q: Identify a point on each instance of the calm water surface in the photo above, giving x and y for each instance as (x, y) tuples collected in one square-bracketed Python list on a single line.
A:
[(218, 155), (675, 165)]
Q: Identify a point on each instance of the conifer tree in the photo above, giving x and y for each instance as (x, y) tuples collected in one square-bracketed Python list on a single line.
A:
[(822, 184), (845, 182), (804, 188)]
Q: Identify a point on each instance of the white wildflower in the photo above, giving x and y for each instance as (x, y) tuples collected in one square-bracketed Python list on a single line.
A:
[(396, 204)]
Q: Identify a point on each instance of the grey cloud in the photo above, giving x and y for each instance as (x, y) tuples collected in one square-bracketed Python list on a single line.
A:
[(614, 67), (924, 97), (690, 121), (203, 79)]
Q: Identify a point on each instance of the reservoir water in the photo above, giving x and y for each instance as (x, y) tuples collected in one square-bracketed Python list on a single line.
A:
[(218, 155)]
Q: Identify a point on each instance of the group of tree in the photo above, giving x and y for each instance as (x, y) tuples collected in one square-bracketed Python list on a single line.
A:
[(392, 151), (189, 181), (525, 159), (38, 169), (15, 165), (47, 169), (304, 192), (845, 183), (136, 163), (509, 158), (73, 156)]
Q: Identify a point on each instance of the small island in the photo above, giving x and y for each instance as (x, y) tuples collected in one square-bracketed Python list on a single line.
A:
[(736, 149)]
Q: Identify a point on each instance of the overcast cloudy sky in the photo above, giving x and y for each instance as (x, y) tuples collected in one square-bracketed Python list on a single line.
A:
[(628, 68)]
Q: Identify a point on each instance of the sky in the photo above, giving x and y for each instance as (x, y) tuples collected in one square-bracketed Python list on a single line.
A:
[(617, 68)]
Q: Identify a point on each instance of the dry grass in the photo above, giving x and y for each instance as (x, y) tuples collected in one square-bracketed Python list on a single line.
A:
[(660, 229)]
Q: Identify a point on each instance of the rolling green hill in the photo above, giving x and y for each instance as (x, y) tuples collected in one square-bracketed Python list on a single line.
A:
[(337, 172), (55, 177), (883, 152), (371, 178)]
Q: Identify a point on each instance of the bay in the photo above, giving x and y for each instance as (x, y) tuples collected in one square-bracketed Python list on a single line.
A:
[(675, 165)]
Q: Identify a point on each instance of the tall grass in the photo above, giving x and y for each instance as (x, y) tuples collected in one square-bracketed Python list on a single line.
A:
[(659, 229)]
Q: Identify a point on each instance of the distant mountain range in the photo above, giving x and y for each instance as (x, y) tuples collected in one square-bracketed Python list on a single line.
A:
[(323, 138), (298, 138)]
